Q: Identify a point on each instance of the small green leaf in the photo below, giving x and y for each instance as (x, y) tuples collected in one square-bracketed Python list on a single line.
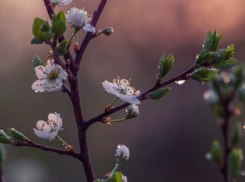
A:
[(203, 74), (216, 41), (61, 16), (227, 64), (165, 65), (37, 61), (203, 57), (37, 27), (54, 17), (97, 180), (63, 44), (216, 153), (219, 110), (35, 41), (116, 177), (4, 138), (17, 136), (235, 162), (236, 134), (241, 93), (229, 52), (59, 28), (60, 51), (238, 72), (159, 94), (46, 36), (208, 41)]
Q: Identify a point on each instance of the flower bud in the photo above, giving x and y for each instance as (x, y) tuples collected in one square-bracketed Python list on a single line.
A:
[(122, 153), (236, 134), (4, 138), (133, 111), (124, 179), (107, 31), (18, 136), (216, 153), (235, 161)]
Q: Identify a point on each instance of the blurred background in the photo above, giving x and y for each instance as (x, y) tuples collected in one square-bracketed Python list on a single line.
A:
[(169, 139)]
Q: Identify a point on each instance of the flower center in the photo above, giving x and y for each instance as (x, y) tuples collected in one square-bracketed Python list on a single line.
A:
[(53, 75)]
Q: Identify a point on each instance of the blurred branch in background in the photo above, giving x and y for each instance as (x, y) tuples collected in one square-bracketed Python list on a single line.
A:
[(2, 158), (220, 97)]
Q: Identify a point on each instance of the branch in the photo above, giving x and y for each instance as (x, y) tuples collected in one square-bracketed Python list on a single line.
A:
[(89, 35), (67, 55), (47, 148), (141, 97)]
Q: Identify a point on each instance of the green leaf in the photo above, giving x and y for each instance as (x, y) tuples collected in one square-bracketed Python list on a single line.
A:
[(216, 41), (202, 58), (2, 154), (45, 27), (46, 36), (159, 94), (229, 52), (219, 110), (238, 72), (37, 27), (37, 61), (236, 134), (227, 64), (208, 41), (97, 180), (4, 138), (203, 74), (165, 65), (60, 51), (63, 44), (54, 17), (59, 28), (216, 153), (235, 162), (61, 16), (116, 177), (35, 41), (17, 136)]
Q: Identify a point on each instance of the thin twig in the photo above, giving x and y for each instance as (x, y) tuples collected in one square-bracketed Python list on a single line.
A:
[(47, 148), (141, 97)]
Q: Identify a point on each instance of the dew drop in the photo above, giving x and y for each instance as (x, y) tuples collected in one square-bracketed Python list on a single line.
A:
[(203, 45), (208, 156), (180, 82), (36, 91), (197, 56)]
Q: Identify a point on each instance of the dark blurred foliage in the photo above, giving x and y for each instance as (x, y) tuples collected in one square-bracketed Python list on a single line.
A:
[(169, 139)]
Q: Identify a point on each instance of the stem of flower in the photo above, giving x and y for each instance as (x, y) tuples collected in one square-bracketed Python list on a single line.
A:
[(114, 102), (117, 120), (114, 170), (73, 35), (60, 139)]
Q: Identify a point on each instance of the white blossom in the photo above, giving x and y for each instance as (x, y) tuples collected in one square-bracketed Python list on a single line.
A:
[(122, 152), (80, 18), (50, 77), (49, 130), (61, 2), (124, 179), (121, 89)]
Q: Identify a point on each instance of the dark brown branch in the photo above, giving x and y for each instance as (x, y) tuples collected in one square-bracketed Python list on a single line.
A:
[(66, 89), (1, 173), (140, 97), (47, 148), (89, 35), (67, 55)]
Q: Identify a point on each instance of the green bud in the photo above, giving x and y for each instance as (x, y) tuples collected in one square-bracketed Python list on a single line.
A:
[(37, 61), (132, 111), (62, 48), (216, 153), (116, 177), (18, 136), (4, 138), (235, 162), (211, 41), (203, 74), (217, 38), (58, 28), (236, 134), (165, 65), (219, 110), (107, 31), (2, 154), (159, 94), (202, 58), (61, 16)]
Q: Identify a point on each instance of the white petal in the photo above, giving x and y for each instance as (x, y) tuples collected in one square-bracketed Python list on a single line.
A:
[(52, 87), (63, 74), (89, 28), (67, 16), (111, 88), (41, 134), (123, 83), (64, 2), (44, 126), (78, 17), (137, 93), (40, 72), (38, 85), (52, 135), (130, 99), (130, 90), (50, 66)]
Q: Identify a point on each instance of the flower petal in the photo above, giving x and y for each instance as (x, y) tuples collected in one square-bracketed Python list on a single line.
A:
[(64, 2), (44, 126), (137, 93), (123, 83), (41, 134), (41, 72), (52, 135), (130, 99), (52, 87), (37, 86), (89, 28), (130, 90), (110, 88)]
